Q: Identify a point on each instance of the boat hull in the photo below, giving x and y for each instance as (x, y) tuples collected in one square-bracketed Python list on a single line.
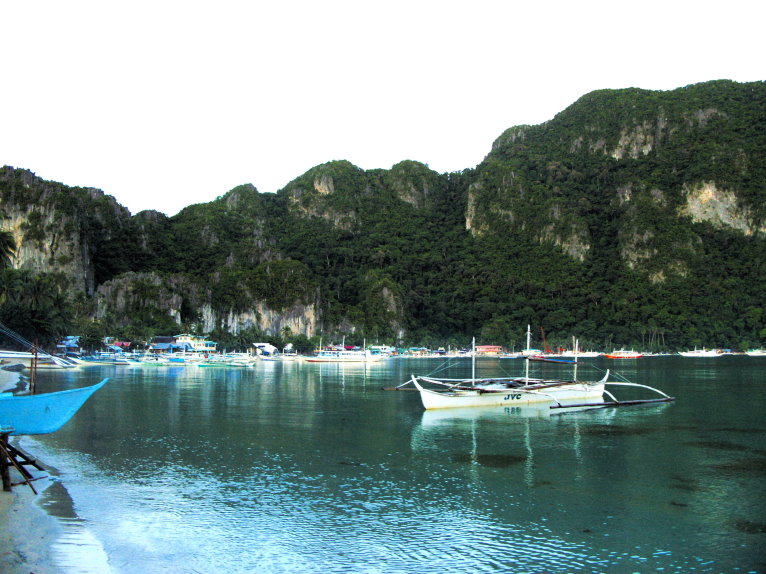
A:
[(40, 361), (576, 393), (345, 357), (42, 414)]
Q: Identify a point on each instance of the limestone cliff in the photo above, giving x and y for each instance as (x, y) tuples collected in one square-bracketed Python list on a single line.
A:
[(58, 228), (180, 300), (706, 202)]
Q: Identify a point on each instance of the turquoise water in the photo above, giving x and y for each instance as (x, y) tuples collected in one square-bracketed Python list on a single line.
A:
[(301, 467)]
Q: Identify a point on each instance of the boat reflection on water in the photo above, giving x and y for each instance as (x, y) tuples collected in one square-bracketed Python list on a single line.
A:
[(512, 416), (534, 438), (438, 417)]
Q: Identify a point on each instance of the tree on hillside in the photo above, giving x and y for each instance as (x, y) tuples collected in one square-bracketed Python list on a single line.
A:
[(7, 249)]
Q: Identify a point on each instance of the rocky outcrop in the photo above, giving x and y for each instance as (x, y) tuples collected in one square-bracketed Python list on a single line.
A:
[(297, 319), (149, 296), (49, 248), (324, 184), (719, 207), (638, 141), (57, 228)]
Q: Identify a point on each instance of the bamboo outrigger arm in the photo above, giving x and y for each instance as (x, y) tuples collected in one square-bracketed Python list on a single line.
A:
[(643, 387), (618, 403)]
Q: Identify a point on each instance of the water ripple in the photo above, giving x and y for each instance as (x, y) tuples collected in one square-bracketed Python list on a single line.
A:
[(316, 470)]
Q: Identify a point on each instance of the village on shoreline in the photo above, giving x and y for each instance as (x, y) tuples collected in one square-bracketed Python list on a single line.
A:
[(199, 350)]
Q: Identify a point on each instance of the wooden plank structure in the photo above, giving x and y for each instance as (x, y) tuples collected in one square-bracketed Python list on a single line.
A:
[(10, 456)]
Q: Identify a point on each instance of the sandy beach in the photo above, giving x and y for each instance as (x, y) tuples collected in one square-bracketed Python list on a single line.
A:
[(27, 532)]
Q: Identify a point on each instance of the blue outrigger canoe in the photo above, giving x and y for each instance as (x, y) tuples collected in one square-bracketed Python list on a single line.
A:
[(42, 414)]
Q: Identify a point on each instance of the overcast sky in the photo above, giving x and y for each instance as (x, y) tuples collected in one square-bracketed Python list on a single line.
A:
[(163, 104)]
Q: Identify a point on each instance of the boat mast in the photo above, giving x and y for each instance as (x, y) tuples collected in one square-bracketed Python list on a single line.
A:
[(473, 359), (526, 358), (576, 352), (529, 334)]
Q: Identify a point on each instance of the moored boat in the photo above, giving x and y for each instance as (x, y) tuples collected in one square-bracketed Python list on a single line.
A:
[(439, 393), (552, 359), (702, 353), (580, 354), (345, 356), (40, 360), (519, 391), (624, 354), (525, 392), (45, 413)]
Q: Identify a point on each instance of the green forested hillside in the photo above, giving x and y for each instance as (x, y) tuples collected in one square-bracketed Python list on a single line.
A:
[(631, 218)]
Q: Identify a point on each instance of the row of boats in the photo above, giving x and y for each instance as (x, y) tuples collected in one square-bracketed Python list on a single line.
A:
[(696, 353), (27, 359)]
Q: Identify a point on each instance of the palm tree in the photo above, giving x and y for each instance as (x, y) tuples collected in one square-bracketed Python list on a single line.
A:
[(7, 249)]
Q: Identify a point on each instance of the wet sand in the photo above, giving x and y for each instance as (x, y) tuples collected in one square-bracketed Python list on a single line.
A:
[(27, 532)]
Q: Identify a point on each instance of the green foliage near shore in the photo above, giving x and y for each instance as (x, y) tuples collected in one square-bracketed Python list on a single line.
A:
[(35, 306)]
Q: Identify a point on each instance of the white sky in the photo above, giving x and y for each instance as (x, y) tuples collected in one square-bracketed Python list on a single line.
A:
[(163, 104)]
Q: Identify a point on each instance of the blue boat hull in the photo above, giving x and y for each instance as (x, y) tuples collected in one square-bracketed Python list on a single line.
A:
[(42, 414)]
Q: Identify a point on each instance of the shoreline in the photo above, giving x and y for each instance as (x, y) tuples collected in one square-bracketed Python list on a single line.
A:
[(27, 532)]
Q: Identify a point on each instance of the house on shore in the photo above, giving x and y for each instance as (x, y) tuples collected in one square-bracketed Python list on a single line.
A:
[(182, 344)]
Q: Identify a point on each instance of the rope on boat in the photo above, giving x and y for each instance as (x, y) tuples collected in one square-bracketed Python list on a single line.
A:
[(450, 362), (13, 335), (615, 373), (439, 368)]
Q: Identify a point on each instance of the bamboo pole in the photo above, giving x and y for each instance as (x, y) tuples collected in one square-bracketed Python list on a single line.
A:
[(5, 454), (33, 371), (5, 463)]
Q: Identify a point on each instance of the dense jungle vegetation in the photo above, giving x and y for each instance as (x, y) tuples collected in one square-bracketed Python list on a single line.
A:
[(580, 225)]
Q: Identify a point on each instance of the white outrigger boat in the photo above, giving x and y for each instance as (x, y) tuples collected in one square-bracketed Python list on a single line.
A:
[(438, 393), (519, 391)]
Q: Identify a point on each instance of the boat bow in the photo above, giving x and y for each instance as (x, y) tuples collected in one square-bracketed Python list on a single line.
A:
[(43, 414)]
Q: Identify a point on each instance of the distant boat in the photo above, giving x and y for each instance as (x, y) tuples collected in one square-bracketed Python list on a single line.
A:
[(552, 359), (756, 353), (108, 359), (42, 414), (529, 351), (623, 354), (702, 353), (40, 360), (581, 354), (345, 356)]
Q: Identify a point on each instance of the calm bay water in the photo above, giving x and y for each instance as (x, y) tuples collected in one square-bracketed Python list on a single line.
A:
[(300, 467)]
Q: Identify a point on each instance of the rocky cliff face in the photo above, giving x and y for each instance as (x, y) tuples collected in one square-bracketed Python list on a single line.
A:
[(339, 192), (57, 228), (69, 254), (151, 296), (706, 202), (647, 161), (297, 319)]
